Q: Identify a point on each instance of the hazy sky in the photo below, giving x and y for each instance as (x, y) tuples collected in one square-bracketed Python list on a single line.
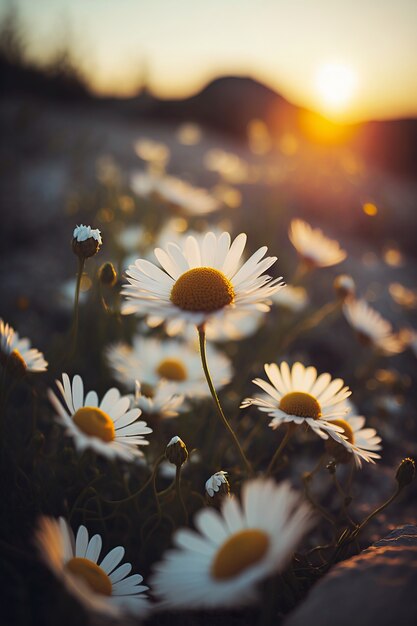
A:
[(306, 49)]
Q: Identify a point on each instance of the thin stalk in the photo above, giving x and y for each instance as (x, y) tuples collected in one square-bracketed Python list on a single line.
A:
[(202, 341), (81, 263), (279, 450), (376, 512), (310, 322), (179, 492)]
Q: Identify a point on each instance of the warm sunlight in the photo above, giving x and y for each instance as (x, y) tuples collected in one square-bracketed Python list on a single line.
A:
[(335, 85)]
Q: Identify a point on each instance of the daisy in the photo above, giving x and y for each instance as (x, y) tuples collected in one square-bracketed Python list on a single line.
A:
[(109, 427), (299, 396), (198, 282), (17, 353), (218, 483), (359, 443), (313, 246), (294, 299), (151, 360), (232, 550), (163, 399), (371, 328), (104, 587), (152, 151), (175, 192), (132, 238)]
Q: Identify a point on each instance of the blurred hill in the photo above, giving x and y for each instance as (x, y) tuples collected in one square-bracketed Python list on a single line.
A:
[(228, 104)]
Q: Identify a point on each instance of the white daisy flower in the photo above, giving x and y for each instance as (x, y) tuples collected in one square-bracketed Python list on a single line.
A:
[(109, 427), (163, 401), (105, 587), (16, 352), (299, 396), (175, 192), (358, 443), (152, 151), (232, 550), (313, 246), (198, 282), (372, 329), (215, 482), (132, 238), (294, 299), (151, 360)]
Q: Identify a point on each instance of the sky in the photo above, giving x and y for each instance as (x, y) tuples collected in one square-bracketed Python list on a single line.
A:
[(347, 59)]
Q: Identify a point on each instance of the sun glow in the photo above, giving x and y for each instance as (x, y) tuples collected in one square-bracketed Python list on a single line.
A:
[(335, 86)]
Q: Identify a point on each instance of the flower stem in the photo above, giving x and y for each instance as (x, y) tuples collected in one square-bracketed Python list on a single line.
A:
[(279, 450), (81, 263), (376, 512), (202, 340), (310, 322), (179, 493)]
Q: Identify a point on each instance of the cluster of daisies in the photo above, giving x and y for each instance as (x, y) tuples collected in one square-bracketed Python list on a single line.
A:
[(203, 282)]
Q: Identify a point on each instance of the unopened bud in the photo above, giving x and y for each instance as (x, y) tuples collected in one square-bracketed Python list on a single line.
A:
[(107, 274), (405, 472), (344, 286), (217, 486), (176, 452), (86, 241)]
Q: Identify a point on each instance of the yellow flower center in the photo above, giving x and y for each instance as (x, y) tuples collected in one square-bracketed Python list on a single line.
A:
[(95, 422), (202, 289), (301, 404), (92, 574), (172, 369), (347, 429), (242, 550)]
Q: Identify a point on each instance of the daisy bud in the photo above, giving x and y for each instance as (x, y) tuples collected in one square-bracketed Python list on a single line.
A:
[(217, 485), (176, 452), (344, 286), (107, 274), (86, 241), (405, 473)]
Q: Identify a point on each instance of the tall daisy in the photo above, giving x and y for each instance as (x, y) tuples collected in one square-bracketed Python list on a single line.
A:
[(151, 360), (17, 353), (232, 550), (108, 427), (371, 328), (358, 443), (100, 584), (299, 396), (313, 246), (200, 280)]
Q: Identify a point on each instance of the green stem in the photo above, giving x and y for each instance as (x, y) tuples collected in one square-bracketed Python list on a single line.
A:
[(81, 263), (375, 513), (179, 492), (279, 450), (142, 489), (310, 322), (202, 341)]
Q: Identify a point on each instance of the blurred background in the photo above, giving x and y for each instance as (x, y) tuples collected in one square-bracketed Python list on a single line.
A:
[(279, 109)]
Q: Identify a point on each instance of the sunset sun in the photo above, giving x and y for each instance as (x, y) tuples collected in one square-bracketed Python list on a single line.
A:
[(335, 86)]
